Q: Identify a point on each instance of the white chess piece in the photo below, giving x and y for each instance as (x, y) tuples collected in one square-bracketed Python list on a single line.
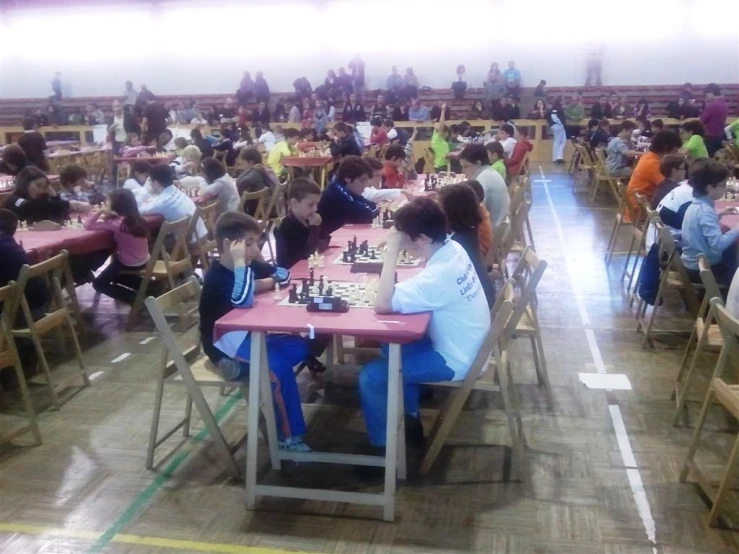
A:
[(277, 295)]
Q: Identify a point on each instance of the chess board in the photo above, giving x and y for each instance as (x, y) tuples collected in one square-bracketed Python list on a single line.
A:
[(405, 261), (356, 294)]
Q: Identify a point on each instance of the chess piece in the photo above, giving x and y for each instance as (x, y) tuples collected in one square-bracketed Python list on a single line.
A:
[(373, 255), (353, 257), (329, 289), (277, 296), (354, 243), (345, 257), (293, 294), (79, 220), (304, 289), (312, 274)]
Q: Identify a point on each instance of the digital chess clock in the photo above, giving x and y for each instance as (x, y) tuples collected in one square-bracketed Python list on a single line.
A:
[(331, 304)]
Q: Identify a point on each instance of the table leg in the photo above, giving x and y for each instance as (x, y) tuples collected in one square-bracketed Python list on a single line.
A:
[(268, 406), (393, 441), (252, 437), (323, 177), (401, 427)]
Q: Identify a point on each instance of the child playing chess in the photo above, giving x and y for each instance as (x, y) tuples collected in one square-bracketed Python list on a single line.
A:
[(378, 136), (694, 147), (343, 143), (219, 184), (375, 192), (233, 282), (485, 229), (392, 170), (131, 233), (497, 158), (297, 236), (283, 149), (342, 202), (138, 181), (449, 288), (34, 199), (74, 185), (132, 147)]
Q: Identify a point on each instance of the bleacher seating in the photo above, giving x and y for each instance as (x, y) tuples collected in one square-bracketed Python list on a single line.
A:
[(658, 96)]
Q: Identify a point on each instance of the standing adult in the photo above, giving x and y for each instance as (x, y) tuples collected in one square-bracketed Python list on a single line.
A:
[(411, 83), (494, 88), (394, 85), (714, 118), (56, 87), (557, 121), (344, 82), (130, 94), (594, 67), (357, 68), (512, 78), (155, 119), (117, 129), (246, 89), (33, 144), (261, 88)]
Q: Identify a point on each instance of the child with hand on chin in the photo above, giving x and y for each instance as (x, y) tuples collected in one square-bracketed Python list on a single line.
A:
[(233, 282), (448, 288)]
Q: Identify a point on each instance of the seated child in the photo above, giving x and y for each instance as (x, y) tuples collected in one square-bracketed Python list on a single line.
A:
[(131, 233), (297, 236), (701, 228), (620, 150), (74, 185), (180, 143), (514, 165), (497, 158), (694, 147), (14, 258), (255, 177), (34, 199), (505, 138), (283, 149), (187, 161), (132, 147), (485, 229), (344, 143), (374, 191), (392, 171), (218, 184), (601, 136), (672, 168), (378, 136), (462, 209), (342, 202), (233, 282), (167, 200), (449, 288)]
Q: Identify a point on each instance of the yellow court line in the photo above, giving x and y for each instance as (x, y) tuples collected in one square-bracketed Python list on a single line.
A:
[(176, 544)]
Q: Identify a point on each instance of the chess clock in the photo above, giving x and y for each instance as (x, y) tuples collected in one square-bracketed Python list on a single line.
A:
[(327, 304)]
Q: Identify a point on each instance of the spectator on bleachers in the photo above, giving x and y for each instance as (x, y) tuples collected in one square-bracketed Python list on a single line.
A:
[(411, 83), (400, 112), (714, 118), (541, 89), (279, 115), (609, 110), (641, 110), (597, 110), (694, 146), (41, 118), (357, 68), (307, 114), (539, 111), (95, 115), (227, 112), (459, 86), (246, 89), (353, 110), (320, 117), (418, 112), (144, 95), (302, 88), (478, 111), (199, 119), (621, 110), (260, 114), (493, 88), (435, 113), (686, 93), (76, 117), (509, 108), (261, 88), (130, 95), (294, 115), (12, 160), (344, 82), (512, 77), (575, 111), (620, 151), (394, 82), (56, 87), (33, 144), (677, 108), (380, 108)]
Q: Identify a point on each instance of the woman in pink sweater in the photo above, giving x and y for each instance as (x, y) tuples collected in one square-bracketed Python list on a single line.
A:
[(121, 217)]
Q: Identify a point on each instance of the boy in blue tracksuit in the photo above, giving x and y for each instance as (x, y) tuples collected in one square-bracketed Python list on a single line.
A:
[(233, 283)]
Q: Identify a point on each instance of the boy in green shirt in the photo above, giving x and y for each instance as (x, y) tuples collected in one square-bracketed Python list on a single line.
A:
[(733, 128), (439, 142), (575, 111), (497, 155), (282, 149), (693, 145)]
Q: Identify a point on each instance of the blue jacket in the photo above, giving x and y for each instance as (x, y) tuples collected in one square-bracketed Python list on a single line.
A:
[(339, 206)]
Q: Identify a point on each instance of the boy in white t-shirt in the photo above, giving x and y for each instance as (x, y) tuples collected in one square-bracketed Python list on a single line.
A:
[(448, 288)]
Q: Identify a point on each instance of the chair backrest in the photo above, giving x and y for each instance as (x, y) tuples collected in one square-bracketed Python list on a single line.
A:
[(8, 354), (177, 260), (504, 239), (643, 203), (727, 323), (708, 280), (668, 251), (526, 276), (209, 214), (260, 196), (519, 217)]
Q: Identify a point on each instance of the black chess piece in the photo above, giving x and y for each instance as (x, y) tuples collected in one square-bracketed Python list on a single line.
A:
[(304, 289), (345, 257), (373, 255), (293, 294), (330, 291), (349, 246), (312, 274), (354, 243), (79, 219), (353, 257)]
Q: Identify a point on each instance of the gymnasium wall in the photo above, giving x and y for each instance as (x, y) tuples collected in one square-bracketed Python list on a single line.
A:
[(181, 47)]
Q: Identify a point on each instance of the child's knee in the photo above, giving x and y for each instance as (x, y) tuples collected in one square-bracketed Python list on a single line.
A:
[(373, 376)]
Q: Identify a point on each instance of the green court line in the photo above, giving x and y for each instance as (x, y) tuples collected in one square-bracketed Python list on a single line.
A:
[(143, 498)]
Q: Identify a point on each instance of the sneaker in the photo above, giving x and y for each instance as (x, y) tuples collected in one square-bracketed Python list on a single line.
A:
[(414, 433), (294, 444)]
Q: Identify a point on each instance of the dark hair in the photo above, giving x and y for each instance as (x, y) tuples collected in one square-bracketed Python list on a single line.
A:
[(374, 163), (196, 135), (376, 122), (670, 163), (162, 174), (604, 123), (713, 88), (123, 202), (8, 222), (353, 167), (475, 153), (251, 155), (15, 156), (705, 172), (291, 133), (213, 169), (395, 151), (421, 216), (29, 122), (496, 148), (627, 126), (70, 174), (25, 178), (694, 127), (592, 123), (302, 187), (389, 123), (341, 127), (235, 226), (140, 166), (664, 142), (475, 185), (460, 206), (658, 124), (508, 129)]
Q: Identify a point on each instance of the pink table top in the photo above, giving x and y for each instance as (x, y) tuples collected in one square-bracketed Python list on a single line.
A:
[(728, 221), (307, 161), (40, 245), (150, 159)]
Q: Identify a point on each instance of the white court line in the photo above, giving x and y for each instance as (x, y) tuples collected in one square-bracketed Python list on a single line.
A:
[(622, 436), (147, 340), (96, 375), (120, 358)]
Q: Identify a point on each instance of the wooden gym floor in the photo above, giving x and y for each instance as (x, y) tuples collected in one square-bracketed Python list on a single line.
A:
[(602, 473)]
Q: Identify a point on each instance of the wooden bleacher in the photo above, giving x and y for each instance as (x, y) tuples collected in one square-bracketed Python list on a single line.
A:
[(658, 96)]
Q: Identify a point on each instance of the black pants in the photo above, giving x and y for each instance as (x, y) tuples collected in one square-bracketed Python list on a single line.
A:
[(713, 145), (111, 282)]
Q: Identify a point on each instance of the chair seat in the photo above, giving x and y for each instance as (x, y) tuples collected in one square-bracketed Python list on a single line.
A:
[(727, 395), (714, 339), (673, 280), (203, 371), (526, 323), (45, 324)]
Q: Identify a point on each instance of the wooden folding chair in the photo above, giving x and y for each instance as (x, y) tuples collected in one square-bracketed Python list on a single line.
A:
[(602, 176), (673, 277), (163, 267), (55, 318), (520, 220), (9, 357), (504, 239), (576, 157), (638, 238), (620, 221), (525, 318), (201, 247), (728, 396), (276, 204), (261, 196), (209, 214), (706, 335), (188, 367), (489, 367)]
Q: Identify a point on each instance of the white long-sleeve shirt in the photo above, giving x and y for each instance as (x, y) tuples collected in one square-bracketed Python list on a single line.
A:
[(225, 189), (382, 195), (172, 205)]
